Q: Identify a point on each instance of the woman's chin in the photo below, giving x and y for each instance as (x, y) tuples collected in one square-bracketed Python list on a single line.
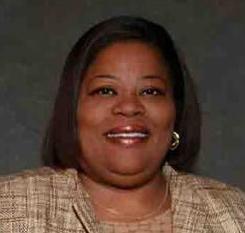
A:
[(128, 177)]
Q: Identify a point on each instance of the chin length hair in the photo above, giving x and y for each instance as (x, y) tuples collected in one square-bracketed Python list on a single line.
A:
[(61, 143)]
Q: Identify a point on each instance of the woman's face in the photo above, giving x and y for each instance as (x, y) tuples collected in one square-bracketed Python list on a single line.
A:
[(126, 115)]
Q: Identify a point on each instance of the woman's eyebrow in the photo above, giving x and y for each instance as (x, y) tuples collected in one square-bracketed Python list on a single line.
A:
[(161, 78), (106, 76), (151, 77), (101, 77)]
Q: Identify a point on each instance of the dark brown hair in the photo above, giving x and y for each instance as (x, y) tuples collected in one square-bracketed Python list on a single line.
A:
[(61, 145)]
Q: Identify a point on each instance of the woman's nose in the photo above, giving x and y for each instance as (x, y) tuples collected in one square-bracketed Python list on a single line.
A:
[(128, 106)]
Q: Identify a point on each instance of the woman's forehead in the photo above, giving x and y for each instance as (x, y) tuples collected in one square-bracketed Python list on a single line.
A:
[(129, 56)]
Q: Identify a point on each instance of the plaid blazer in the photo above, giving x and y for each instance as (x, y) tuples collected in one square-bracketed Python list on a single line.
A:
[(53, 201)]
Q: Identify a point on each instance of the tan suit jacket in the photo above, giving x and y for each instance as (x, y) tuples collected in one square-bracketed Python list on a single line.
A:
[(54, 201)]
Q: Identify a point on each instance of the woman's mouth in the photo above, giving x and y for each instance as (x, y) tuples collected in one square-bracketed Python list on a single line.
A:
[(128, 135)]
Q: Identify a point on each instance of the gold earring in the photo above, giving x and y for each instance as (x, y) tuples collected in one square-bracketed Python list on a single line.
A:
[(175, 141)]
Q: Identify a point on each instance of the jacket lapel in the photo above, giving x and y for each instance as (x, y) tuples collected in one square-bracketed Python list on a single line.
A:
[(83, 209), (189, 211)]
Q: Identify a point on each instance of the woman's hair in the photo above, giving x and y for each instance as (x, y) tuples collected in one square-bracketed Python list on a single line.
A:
[(61, 144)]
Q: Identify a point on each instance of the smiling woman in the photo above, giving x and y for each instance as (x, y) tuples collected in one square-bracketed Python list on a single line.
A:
[(124, 132)]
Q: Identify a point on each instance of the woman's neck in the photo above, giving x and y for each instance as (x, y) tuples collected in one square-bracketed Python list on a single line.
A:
[(117, 204)]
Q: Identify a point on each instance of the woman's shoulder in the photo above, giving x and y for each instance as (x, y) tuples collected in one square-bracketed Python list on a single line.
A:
[(30, 198), (44, 178), (216, 201), (208, 190), (213, 187), (212, 193), (197, 182)]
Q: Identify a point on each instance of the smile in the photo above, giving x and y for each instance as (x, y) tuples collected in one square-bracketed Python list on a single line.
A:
[(128, 135)]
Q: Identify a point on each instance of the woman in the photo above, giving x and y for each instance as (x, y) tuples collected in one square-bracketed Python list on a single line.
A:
[(124, 131)]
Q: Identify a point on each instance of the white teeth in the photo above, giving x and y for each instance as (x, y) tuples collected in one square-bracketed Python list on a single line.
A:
[(127, 135)]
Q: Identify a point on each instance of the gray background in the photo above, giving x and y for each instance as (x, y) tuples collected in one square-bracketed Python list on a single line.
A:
[(36, 35)]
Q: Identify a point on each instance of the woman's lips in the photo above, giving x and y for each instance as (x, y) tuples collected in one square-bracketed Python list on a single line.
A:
[(128, 135)]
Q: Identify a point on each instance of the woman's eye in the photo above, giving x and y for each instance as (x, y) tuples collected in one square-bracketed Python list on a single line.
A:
[(152, 91), (104, 91)]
